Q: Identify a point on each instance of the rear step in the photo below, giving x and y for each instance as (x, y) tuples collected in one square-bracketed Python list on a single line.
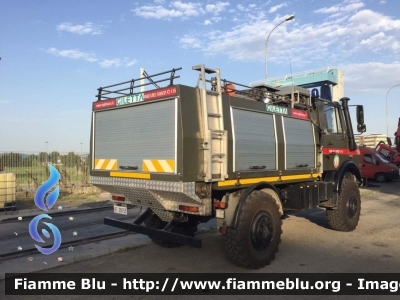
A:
[(157, 233)]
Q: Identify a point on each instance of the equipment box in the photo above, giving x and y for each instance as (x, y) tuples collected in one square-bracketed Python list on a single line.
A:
[(308, 193)]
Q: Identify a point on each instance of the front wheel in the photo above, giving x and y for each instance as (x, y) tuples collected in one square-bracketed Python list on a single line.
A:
[(255, 240), (380, 177), (345, 217)]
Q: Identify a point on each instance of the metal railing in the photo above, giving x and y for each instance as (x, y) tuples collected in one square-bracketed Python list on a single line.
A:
[(31, 169), (127, 88)]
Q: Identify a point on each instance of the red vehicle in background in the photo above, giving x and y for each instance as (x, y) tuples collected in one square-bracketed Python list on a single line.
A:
[(392, 154), (374, 166), (388, 152)]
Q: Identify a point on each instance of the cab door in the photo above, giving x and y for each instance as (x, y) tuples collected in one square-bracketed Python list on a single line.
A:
[(334, 139), (368, 165)]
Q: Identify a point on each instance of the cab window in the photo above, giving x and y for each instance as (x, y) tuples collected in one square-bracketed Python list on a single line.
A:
[(369, 159), (334, 125)]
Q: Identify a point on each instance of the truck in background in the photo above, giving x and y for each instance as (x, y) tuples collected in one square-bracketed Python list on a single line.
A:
[(243, 155)]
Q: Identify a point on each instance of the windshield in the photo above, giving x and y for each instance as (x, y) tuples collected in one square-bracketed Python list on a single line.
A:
[(332, 119), (382, 158)]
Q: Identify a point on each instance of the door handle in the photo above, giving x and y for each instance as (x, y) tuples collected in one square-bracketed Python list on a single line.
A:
[(301, 165)]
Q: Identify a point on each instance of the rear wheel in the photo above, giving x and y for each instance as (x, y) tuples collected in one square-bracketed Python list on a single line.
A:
[(188, 228), (380, 177), (255, 240), (345, 217)]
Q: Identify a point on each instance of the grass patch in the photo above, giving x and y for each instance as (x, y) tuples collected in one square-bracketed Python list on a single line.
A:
[(28, 177), (72, 197)]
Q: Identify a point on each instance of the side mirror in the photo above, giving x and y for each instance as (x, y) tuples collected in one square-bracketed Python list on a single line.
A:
[(389, 141), (377, 163), (361, 127)]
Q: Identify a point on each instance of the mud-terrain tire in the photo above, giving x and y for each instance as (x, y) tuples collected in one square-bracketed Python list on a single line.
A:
[(187, 228), (256, 238), (380, 178), (345, 217)]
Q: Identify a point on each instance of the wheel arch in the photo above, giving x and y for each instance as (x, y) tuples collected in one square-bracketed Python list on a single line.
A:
[(264, 187), (347, 166), (347, 214)]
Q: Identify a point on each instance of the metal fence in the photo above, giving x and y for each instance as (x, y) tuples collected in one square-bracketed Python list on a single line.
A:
[(31, 169)]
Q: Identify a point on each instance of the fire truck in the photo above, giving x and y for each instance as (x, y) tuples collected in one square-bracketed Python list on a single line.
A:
[(245, 155)]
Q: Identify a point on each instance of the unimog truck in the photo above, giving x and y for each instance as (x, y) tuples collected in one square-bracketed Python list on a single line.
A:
[(243, 155)]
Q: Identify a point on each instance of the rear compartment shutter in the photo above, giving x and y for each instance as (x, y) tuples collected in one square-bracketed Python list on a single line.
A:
[(300, 143), (255, 141), (139, 135)]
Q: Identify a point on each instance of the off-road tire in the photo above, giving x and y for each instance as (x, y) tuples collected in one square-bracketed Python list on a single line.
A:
[(256, 238), (187, 228), (345, 217), (380, 178)]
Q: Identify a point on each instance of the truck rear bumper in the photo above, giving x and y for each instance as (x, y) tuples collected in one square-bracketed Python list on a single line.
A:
[(163, 197)]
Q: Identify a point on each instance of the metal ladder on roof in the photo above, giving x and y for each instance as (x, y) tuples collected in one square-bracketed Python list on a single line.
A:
[(215, 142)]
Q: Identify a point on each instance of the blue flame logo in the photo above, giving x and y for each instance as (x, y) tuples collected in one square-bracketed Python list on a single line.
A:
[(50, 201)]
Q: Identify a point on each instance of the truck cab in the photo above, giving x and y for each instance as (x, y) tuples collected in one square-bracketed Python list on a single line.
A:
[(375, 166)]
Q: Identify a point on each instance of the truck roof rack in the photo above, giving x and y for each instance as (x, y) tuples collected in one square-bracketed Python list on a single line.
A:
[(126, 88)]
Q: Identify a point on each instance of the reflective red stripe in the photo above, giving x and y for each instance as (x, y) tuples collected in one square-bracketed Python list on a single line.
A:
[(104, 104), (340, 151), (300, 114)]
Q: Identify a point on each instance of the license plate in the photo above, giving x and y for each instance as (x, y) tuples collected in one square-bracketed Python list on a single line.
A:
[(121, 209), (220, 213)]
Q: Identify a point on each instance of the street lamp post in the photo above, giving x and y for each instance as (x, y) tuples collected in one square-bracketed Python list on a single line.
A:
[(291, 17), (387, 124), (81, 149)]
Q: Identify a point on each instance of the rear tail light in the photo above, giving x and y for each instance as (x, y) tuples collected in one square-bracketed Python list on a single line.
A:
[(219, 204), (189, 208), (118, 198)]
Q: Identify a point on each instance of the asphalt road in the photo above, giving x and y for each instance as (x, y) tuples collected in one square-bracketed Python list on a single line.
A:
[(308, 246)]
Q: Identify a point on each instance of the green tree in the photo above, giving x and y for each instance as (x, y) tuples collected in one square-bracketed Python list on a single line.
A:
[(34, 162), (3, 160), (11, 159), (71, 159), (87, 160), (43, 156), (53, 157), (28, 160)]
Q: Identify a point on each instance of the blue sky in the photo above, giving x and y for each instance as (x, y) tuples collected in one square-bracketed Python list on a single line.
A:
[(55, 54)]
